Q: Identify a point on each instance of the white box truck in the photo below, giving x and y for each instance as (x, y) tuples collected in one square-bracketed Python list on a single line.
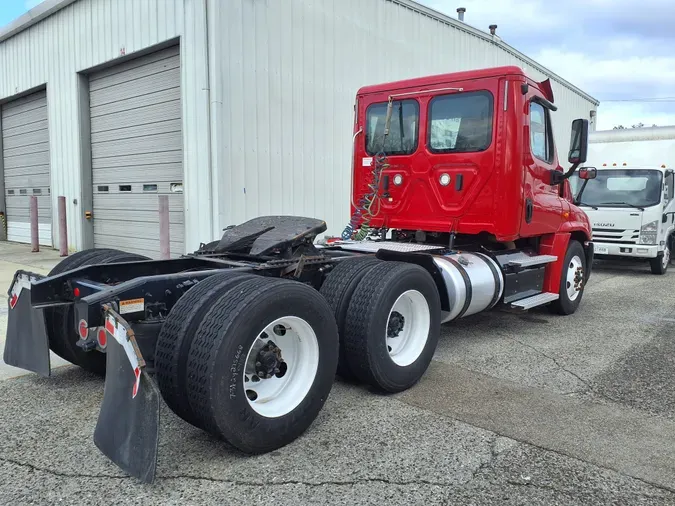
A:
[(630, 201)]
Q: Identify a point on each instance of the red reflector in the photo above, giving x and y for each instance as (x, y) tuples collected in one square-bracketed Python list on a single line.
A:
[(102, 338), (83, 329), (76, 292)]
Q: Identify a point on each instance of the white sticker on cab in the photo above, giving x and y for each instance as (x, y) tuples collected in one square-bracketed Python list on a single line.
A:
[(367, 161)]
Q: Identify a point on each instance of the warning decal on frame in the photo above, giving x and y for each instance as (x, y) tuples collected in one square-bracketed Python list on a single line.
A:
[(367, 161), (132, 306)]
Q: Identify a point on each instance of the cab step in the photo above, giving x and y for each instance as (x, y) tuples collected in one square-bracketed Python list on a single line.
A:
[(536, 300), (529, 261)]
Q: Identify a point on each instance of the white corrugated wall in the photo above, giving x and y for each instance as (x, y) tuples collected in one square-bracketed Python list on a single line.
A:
[(88, 33), (267, 102), (283, 80)]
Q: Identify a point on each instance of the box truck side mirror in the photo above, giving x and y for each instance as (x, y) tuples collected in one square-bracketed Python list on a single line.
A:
[(588, 173)]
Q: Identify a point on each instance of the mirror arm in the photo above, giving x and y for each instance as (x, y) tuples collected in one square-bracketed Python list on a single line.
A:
[(559, 177), (577, 200)]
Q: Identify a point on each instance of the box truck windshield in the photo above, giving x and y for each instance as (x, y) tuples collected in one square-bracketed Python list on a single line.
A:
[(620, 188)]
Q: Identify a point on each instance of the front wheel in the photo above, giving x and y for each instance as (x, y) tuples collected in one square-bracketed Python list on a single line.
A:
[(572, 280), (659, 265)]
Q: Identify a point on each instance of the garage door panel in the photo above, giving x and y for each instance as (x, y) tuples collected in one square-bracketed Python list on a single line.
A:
[(122, 78), (28, 160), (147, 248), (152, 128), (156, 173), (136, 160), (160, 97), (25, 109), (165, 80), (20, 232), (138, 230), (10, 133), (103, 202), (18, 208), (31, 181), (17, 103), (26, 118), (26, 171), (40, 147), (128, 215), (138, 145), (142, 116), (103, 78), (30, 138), (25, 157)]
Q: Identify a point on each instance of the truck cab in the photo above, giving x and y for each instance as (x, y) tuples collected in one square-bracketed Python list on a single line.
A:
[(632, 211), (469, 159)]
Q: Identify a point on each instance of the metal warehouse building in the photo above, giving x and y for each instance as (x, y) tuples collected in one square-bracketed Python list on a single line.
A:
[(234, 108)]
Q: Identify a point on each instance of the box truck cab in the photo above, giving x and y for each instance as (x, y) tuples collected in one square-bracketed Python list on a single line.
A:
[(630, 201)]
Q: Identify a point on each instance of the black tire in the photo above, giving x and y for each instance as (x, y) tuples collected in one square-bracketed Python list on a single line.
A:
[(565, 305), (658, 265), (337, 290), (178, 331), (61, 321), (216, 365), (365, 339)]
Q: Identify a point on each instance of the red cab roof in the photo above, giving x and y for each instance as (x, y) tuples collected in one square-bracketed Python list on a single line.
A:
[(443, 78)]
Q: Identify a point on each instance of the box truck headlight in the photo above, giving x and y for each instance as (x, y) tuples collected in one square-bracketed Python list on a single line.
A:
[(648, 232)]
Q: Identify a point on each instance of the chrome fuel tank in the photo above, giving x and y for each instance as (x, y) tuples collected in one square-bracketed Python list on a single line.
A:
[(474, 283)]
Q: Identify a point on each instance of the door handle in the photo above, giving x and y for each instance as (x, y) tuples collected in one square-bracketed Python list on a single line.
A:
[(529, 210)]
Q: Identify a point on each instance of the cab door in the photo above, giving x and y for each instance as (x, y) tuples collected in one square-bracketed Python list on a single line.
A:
[(542, 203)]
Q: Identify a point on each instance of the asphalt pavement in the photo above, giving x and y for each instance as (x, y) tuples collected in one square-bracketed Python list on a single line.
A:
[(515, 409)]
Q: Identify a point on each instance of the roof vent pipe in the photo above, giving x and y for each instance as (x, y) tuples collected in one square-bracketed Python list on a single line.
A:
[(493, 29), (460, 13)]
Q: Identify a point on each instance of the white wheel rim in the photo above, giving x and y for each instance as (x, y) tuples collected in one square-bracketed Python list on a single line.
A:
[(666, 257), (407, 338), (281, 393), (575, 278)]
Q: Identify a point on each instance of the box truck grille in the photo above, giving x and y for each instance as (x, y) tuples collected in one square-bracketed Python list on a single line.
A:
[(616, 236)]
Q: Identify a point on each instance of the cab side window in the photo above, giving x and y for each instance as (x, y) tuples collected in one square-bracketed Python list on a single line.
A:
[(541, 134)]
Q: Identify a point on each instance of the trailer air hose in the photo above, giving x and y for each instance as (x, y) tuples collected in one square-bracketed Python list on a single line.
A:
[(368, 206)]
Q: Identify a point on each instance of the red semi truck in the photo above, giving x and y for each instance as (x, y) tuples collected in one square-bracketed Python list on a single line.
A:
[(459, 205)]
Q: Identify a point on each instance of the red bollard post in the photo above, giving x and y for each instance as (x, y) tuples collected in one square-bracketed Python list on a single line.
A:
[(34, 238), (164, 238), (63, 228)]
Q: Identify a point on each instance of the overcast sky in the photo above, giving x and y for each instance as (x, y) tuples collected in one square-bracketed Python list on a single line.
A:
[(612, 49)]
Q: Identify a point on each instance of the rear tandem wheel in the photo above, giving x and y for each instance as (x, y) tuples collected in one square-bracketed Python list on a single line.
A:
[(262, 363)]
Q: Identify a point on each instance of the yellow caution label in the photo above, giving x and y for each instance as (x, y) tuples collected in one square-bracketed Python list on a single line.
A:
[(132, 306)]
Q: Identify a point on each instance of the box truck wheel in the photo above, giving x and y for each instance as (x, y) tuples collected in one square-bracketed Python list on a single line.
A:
[(178, 331), (659, 265), (393, 326), (571, 280), (262, 363), (337, 290), (60, 321)]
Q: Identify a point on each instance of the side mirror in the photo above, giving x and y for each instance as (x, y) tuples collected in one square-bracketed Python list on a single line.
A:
[(588, 173), (578, 142)]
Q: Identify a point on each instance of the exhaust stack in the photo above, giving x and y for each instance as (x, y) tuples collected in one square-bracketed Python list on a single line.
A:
[(460, 13)]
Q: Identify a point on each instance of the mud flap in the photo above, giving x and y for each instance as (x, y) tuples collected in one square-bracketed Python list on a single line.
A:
[(127, 430), (26, 344)]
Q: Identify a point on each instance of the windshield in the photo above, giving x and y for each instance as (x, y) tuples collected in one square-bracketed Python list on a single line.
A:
[(402, 138), (620, 188)]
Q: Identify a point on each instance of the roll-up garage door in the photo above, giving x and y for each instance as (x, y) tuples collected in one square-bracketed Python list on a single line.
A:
[(137, 155), (25, 159)]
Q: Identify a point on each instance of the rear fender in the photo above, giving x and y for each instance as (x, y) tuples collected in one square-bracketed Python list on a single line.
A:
[(26, 344)]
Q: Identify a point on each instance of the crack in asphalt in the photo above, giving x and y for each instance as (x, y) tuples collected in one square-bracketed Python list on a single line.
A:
[(588, 385), (385, 481)]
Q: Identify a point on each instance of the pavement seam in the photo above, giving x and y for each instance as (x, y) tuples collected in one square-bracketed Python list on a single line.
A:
[(34, 468)]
